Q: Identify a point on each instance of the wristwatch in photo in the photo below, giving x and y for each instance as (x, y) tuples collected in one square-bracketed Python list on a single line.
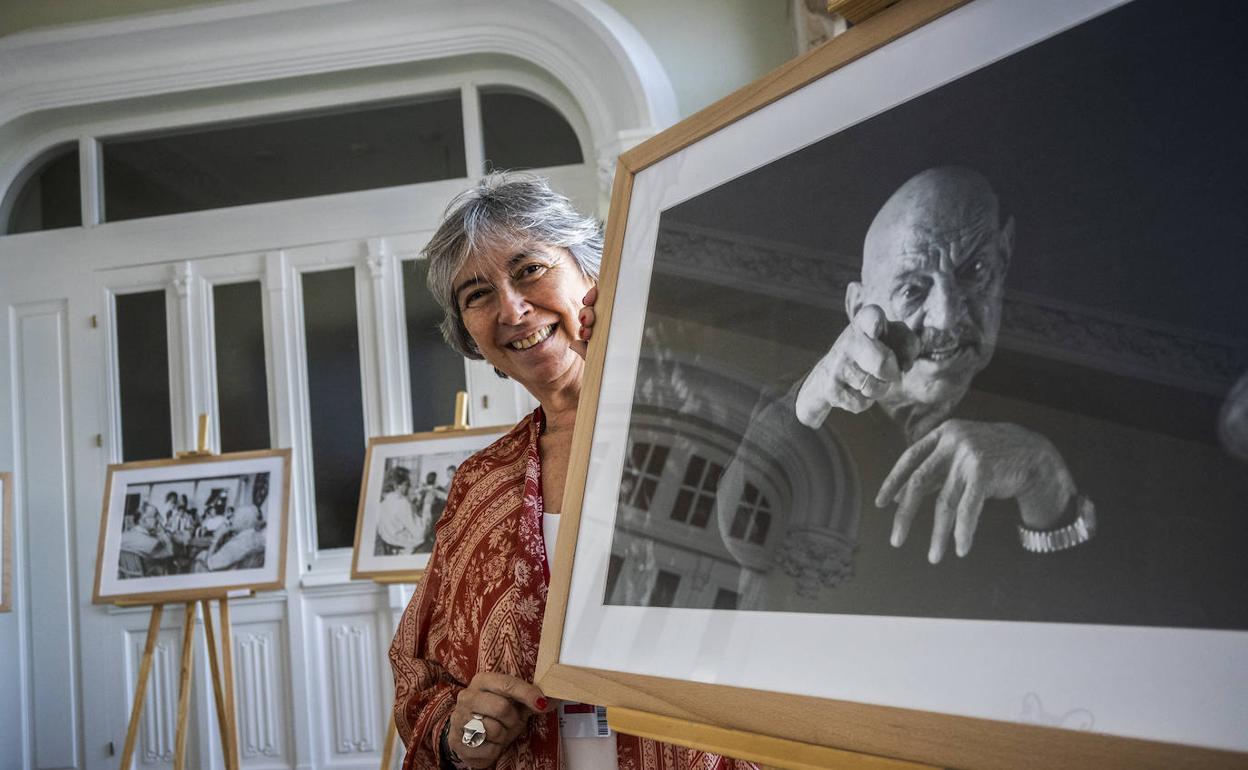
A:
[(1077, 532)]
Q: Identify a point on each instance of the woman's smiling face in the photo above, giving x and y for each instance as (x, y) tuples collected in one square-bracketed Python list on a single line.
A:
[(520, 306)]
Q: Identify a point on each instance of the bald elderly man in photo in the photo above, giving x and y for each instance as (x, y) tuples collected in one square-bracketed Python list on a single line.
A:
[(924, 322), (907, 491), (912, 467)]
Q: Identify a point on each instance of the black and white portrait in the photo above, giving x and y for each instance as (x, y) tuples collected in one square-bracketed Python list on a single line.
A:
[(181, 526), (407, 480), (981, 356)]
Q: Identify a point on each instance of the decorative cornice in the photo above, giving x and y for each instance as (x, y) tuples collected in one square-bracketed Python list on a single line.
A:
[(607, 156), (1121, 344)]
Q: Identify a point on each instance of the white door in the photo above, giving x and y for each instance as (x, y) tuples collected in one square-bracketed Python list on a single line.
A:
[(331, 633), (312, 681)]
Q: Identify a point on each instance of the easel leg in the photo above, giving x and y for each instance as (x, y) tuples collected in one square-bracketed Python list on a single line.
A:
[(227, 673), (217, 694), (140, 689), (184, 685), (387, 752)]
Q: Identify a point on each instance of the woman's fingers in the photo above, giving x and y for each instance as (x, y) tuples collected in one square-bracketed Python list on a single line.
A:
[(503, 704), (587, 317), (522, 692), (506, 699), (501, 710)]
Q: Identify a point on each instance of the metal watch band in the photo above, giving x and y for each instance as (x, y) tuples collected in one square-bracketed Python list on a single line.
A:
[(1078, 532)]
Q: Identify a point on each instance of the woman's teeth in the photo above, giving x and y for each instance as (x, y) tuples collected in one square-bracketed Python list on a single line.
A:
[(533, 338)]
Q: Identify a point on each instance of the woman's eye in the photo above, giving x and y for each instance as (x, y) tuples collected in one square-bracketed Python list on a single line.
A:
[(474, 296), (530, 270), (911, 292)]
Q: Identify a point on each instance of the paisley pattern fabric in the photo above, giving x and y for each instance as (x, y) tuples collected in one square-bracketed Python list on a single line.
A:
[(479, 608)]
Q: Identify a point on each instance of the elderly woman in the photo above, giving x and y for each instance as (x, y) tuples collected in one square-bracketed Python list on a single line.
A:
[(511, 265)]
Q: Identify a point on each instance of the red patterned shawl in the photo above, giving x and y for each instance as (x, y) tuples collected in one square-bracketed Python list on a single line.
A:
[(479, 608)]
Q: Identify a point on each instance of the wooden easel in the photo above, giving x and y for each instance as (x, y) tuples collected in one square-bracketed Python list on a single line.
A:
[(222, 675), (461, 423)]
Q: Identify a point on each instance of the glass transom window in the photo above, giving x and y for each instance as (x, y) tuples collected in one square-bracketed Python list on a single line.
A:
[(209, 167)]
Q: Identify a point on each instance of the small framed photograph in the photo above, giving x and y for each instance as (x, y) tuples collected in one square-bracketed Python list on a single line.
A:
[(406, 483), (6, 542), (174, 530)]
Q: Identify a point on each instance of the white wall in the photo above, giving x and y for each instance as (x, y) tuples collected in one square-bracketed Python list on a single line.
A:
[(710, 48)]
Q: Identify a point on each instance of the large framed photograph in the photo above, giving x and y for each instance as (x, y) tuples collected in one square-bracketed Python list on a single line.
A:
[(175, 530), (405, 487), (6, 542), (916, 416)]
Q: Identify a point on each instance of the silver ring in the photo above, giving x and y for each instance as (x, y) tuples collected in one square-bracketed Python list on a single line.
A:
[(474, 732)]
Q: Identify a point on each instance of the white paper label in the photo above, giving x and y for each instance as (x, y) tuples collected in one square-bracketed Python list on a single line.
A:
[(581, 720)]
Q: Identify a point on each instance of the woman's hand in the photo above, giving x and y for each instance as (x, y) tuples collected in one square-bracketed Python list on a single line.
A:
[(587, 318), (505, 704)]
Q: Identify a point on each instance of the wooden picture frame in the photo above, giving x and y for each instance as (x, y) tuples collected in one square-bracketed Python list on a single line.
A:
[(667, 669), (6, 542), (202, 527), (417, 456)]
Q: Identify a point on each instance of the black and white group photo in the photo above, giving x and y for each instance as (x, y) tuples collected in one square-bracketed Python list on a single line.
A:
[(407, 482), (413, 494), (192, 525), (983, 355)]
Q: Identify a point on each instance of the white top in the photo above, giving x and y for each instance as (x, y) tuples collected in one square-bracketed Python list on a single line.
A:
[(578, 753), (550, 532)]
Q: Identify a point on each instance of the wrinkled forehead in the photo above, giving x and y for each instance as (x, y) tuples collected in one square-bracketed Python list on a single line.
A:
[(939, 215), (492, 258), (930, 239), (486, 258)]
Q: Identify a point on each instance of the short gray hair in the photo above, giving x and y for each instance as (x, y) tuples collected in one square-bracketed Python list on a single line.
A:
[(504, 209)]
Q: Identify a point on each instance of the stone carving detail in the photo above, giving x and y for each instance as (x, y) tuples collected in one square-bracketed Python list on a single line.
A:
[(606, 162), (816, 559)]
